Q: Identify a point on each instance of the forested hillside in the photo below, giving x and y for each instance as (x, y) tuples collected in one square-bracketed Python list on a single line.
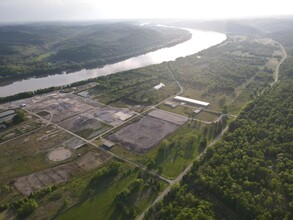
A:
[(50, 48)]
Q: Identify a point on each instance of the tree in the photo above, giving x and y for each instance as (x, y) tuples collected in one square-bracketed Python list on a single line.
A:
[(27, 208)]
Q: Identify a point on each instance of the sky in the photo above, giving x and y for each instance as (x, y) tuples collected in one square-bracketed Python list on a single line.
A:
[(74, 10)]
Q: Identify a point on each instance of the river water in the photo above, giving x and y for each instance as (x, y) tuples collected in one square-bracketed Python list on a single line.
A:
[(200, 40)]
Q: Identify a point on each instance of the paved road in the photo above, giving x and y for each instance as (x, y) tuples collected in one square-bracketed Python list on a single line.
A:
[(282, 60), (179, 178)]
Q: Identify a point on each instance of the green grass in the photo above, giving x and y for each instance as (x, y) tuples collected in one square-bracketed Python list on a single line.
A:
[(101, 204), (43, 56), (181, 149), (181, 110), (28, 154), (207, 116)]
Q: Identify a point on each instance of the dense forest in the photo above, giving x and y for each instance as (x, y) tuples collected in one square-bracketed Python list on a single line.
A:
[(248, 173), (50, 48)]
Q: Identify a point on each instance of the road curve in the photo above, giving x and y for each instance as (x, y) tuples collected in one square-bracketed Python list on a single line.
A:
[(282, 60)]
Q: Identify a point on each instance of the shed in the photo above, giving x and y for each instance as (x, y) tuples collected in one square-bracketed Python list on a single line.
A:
[(196, 111), (108, 144)]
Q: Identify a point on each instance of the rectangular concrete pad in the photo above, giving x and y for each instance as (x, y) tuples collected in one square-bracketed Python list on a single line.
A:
[(45, 178), (142, 135), (169, 116)]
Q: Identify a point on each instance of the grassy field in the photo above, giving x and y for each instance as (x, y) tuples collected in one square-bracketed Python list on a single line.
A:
[(181, 110), (135, 87), (27, 124), (239, 65), (102, 203), (28, 154), (207, 116), (170, 156)]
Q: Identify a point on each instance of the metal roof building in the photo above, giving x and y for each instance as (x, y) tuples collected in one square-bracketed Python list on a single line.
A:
[(192, 101)]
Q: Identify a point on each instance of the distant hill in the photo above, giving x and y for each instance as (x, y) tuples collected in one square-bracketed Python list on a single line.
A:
[(37, 49)]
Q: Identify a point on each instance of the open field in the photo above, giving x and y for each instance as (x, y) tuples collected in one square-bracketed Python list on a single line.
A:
[(45, 178), (207, 116), (171, 155), (222, 73), (106, 202), (28, 153), (29, 124), (182, 110), (135, 87)]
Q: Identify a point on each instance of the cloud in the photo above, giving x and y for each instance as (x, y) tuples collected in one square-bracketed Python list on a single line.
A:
[(42, 10)]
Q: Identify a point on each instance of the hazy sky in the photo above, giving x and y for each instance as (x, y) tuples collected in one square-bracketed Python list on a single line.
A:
[(48, 10)]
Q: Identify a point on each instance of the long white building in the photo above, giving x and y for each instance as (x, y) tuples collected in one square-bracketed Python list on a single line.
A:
[(192, 101)]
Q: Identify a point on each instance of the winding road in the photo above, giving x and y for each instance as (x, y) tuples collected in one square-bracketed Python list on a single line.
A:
[(282, 60)]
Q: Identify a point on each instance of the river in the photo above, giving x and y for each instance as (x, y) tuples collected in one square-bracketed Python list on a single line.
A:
[(200, 40)]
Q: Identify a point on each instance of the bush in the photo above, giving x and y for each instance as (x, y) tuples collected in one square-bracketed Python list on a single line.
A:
[(27, 208)]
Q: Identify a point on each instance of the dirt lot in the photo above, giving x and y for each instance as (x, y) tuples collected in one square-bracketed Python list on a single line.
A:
[(59, 154), (85, 126), (56, 107), (61, 173), (151, 129), (109, 115), (142, 135)]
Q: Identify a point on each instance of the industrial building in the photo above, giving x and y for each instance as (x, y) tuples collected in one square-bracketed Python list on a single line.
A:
[(191, 101)]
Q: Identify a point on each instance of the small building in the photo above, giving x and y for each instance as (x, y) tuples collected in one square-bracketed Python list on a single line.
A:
[(171, 104), (157, 87), (196, 111), (191, 101), (84, 94), (107, 144), (122, 115)]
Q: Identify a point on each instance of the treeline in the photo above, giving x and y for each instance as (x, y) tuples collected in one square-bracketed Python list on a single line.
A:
[(26, 205), (248, 174), (125, 202)]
